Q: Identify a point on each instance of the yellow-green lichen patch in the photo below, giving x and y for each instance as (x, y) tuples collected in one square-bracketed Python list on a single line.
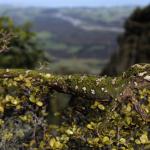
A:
[(105, 112)]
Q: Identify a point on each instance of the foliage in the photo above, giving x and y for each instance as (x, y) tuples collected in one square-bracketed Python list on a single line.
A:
[(134, 44), (23, 51), (106, 113)]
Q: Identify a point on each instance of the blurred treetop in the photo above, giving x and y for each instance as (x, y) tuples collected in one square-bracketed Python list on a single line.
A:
[(134, 43), (17, 44)]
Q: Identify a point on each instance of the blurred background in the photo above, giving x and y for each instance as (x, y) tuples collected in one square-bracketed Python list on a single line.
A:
[(96, 37), (76, 36)]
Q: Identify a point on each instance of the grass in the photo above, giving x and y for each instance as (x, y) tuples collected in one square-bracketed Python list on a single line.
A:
[(76, 65)]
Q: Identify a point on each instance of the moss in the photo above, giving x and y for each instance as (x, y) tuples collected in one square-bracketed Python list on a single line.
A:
[(87, 86), (109, 113), (136, 69)]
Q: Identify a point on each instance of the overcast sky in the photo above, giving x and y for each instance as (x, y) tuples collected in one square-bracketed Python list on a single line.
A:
[(74, 3)]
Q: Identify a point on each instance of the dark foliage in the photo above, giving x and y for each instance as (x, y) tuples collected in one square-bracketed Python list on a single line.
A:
[(23, 51), (134, 44)]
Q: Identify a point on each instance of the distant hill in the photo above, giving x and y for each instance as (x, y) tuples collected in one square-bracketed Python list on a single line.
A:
[(79, 33)]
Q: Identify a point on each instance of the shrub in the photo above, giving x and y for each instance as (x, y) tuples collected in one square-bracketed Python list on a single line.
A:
[(19, 40), (106, 113)]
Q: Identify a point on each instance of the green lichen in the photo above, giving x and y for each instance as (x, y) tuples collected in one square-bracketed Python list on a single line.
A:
[(107, 113)]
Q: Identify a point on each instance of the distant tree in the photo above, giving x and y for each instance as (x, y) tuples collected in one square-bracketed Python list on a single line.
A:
[(19, 48), (134, 44)]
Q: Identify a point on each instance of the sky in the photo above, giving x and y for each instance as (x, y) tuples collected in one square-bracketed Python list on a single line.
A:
[(75, 3)]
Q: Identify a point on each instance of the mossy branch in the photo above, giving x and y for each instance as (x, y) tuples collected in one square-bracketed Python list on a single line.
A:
[(89, 87)]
